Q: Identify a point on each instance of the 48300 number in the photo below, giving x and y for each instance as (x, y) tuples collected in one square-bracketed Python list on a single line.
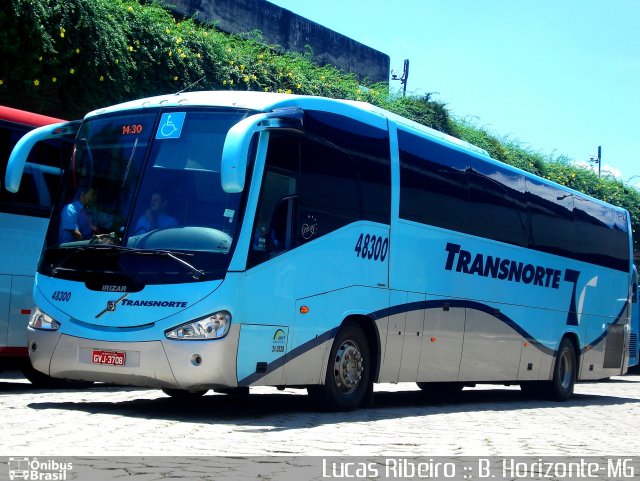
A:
[(61, 296), (372, 247)]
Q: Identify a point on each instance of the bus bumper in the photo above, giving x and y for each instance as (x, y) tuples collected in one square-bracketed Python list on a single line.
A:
[(189, 365)]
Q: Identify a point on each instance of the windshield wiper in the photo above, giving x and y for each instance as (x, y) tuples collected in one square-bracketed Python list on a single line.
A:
[(75, 249), (196, 273)]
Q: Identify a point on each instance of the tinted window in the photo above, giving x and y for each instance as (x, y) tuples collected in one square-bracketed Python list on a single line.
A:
[(330, 193), (551, 211), (337, 173), (273, 225), (368, 150), (497, 207), (601, 235), (446, 188), (433, 183)]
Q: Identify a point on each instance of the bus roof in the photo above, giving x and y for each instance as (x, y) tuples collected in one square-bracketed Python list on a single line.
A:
[(268, 101), (26, 118), (363, 111)]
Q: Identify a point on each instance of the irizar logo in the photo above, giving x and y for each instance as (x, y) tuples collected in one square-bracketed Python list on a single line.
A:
[(106, 288)]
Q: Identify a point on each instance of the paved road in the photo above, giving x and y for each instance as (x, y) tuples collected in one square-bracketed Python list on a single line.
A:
[(603, 419)]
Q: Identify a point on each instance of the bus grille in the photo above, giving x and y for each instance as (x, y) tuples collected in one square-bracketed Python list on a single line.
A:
[(633, 345), (615, 346)]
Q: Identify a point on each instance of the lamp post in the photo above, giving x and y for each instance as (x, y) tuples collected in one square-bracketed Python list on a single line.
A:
[(404, 78), (598, 159)]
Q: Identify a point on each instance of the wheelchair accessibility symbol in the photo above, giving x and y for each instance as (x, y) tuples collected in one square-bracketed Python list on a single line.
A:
[(171, 125)]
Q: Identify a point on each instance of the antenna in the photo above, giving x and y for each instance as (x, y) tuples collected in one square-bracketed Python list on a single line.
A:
[(191, 85)]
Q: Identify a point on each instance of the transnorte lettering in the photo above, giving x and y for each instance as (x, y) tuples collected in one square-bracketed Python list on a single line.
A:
[(130, 303), (483, 265)]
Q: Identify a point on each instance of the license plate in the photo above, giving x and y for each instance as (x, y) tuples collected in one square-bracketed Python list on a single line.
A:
[(111, 358)]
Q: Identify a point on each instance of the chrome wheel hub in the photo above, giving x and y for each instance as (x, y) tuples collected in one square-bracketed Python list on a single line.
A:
[(348, 367)]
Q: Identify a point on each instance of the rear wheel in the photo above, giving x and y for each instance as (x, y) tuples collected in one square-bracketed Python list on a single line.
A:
[(348, 377), (560, 388)]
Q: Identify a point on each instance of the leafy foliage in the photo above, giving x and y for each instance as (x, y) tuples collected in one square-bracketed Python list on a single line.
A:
[(65, 58)]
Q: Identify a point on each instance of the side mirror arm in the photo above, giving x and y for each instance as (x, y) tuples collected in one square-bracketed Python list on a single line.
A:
[(235, 153), (22, 149)]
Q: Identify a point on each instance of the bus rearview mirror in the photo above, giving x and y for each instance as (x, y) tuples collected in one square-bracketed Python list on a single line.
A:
[(237, 144), (22, 149)]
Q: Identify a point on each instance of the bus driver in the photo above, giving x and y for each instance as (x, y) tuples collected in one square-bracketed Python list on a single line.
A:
[(75, 223)]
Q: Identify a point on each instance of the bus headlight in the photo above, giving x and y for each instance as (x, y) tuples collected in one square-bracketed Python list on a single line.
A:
[(39, 320), (214, 326)]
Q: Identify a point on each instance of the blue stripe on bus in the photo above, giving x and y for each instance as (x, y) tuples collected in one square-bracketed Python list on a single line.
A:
[(415, 306), (295, 352), (462, 303)]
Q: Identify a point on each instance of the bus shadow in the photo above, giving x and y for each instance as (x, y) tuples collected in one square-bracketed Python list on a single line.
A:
[(633, 379), (294, 411), (14, 382), (26, 388)]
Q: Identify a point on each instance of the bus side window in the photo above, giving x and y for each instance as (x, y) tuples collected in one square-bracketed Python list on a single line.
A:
[(330, 190), (274, 210), (310, 188)]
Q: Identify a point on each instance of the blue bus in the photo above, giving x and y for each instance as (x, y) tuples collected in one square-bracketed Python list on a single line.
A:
[(24, 216), (224, 240)]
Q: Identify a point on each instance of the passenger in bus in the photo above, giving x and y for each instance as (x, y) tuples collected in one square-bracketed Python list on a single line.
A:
[(155, 216), (75, 221)]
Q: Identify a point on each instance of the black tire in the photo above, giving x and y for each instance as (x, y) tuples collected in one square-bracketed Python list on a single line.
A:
[(441, 390), (184, 395), (565, 371), (348, 378)]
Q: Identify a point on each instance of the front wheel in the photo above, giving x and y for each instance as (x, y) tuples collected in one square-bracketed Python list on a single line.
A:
[(348, 377)]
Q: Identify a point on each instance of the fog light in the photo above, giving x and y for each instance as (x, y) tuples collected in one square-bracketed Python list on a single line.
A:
[(196, 359)]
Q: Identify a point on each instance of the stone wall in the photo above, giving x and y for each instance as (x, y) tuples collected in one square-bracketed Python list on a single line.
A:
[(290, 31)]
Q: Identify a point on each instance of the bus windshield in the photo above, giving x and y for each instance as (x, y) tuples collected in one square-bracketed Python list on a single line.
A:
[(143, 199)]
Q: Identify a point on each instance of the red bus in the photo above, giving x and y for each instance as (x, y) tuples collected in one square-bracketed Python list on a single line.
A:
[(24, 217)]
